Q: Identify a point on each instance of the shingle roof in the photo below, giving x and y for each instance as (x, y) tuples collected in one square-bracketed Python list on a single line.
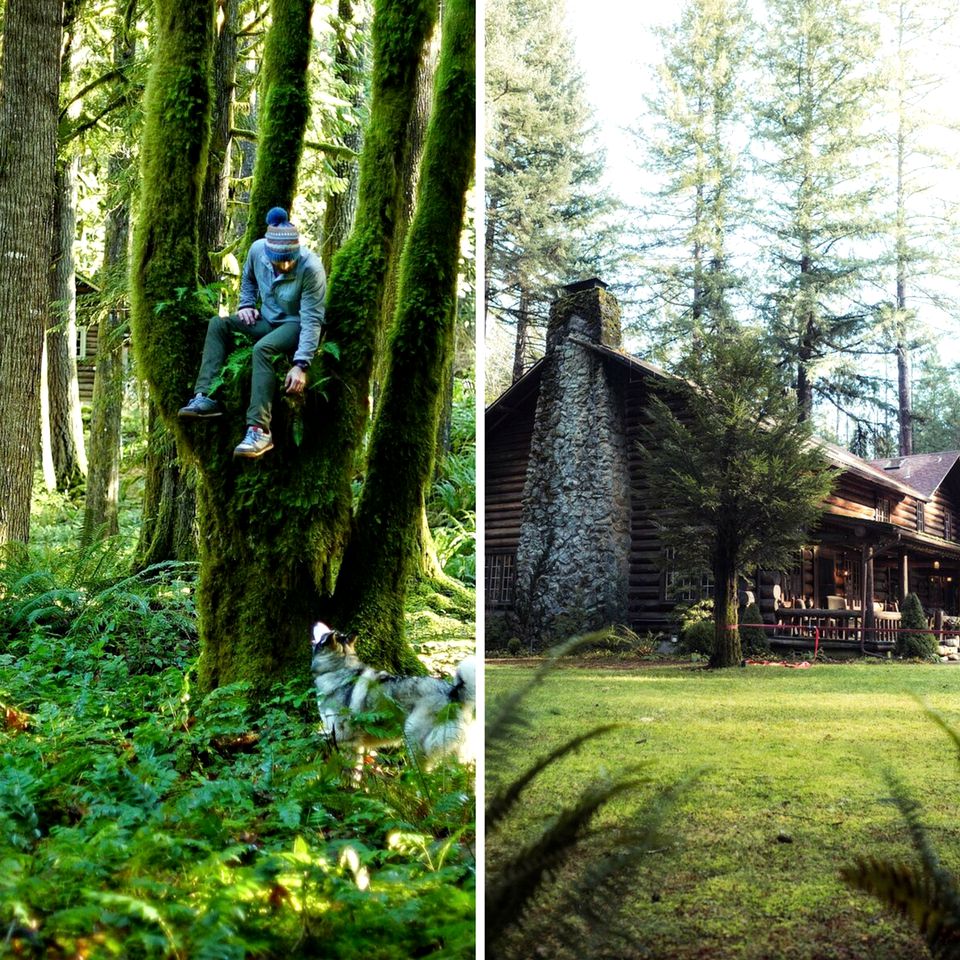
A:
[(918, 481), (924, 471)]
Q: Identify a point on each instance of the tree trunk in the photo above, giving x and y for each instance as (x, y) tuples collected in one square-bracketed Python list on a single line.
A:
[(285, 110), (726, 644), (29, 107), (409, 176), (272, 531), (213, 206), (520, 344), (62, 427), (100, 517), (348, 67), (168, 525), (378, 562)]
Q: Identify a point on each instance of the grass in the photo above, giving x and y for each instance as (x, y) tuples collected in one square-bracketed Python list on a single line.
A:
[(791, 788)]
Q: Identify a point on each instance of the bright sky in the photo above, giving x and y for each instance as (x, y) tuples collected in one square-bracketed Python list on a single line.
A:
[(616, 49)]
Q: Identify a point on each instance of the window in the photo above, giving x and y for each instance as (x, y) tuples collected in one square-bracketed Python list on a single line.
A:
[(881, 510), (500, 577), (948, 527), (920, 517), (685, 587)]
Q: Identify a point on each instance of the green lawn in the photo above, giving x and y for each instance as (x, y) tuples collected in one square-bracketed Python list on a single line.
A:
[(791, 787)]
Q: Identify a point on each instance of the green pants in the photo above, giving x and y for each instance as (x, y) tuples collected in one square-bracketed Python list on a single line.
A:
[(272, 339)]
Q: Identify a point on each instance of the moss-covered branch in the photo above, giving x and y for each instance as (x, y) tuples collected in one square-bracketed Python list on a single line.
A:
[(382, 553), (167, 321), (286, 109)]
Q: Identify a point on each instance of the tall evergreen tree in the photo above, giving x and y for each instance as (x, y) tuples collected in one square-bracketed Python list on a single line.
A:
[(921, 238), (700, 205), (349, 66), (733, 463), (822, 83), (29, 106), (543, 200)]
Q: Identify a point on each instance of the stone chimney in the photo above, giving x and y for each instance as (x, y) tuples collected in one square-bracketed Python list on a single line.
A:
[(585, 309), (574, 546)]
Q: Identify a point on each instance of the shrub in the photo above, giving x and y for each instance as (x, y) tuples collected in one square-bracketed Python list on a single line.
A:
[(912, 617), (695, 613), (698, 638), (754, 639)]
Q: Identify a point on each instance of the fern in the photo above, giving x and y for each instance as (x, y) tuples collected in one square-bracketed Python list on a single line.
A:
[(564, 873)]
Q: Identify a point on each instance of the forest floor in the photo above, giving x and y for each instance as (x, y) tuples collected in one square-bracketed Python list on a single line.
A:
[(139, 821), (789, 785)]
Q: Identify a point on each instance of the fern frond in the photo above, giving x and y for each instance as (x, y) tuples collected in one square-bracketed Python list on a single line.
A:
[(503, 802), (518, 880), (914, 895)]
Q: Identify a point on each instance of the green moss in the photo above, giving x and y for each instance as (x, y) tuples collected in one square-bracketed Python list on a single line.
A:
[(168, 327), (284, 83), (381, 555)]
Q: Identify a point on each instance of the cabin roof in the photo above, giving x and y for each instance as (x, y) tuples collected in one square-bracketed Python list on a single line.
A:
[(918, 479), (925, 471)]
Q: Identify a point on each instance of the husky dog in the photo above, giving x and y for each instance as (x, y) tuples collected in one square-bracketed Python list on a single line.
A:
[(438, 715)]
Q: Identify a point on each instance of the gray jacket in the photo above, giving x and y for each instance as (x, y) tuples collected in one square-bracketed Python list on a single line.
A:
[(298, 296)]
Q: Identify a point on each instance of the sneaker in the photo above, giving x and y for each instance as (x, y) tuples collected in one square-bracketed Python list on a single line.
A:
[(201, 406), (256, 443)]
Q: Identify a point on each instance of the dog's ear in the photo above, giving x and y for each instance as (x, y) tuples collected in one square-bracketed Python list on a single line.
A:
[(320, 634)]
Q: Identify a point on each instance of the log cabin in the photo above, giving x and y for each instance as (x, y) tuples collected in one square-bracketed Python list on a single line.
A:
[(571, 544)]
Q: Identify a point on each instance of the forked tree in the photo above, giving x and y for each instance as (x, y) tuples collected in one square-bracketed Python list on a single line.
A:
[(273, 532)]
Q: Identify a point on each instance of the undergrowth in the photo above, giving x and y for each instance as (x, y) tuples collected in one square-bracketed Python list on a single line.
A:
[(138, 822)]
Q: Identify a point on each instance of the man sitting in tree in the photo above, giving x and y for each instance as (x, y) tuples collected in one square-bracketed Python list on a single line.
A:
[(289, 282)]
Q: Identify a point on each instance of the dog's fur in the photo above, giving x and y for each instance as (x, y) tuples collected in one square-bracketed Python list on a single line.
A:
[(438, 715)]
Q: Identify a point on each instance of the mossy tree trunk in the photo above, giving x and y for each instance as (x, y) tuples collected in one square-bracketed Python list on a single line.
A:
[(272, 531), (285, 98), (168, 322), (380, 558), (100, 517), (29, 105), (63, 453)]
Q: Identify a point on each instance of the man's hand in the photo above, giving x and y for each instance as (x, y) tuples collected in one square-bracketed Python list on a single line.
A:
[(248, 315), (296, 380)]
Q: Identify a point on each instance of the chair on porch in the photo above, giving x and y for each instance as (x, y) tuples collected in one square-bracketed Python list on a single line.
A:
[(836, 603)]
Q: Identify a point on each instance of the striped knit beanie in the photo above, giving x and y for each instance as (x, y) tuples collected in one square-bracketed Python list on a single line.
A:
[(282, 239)]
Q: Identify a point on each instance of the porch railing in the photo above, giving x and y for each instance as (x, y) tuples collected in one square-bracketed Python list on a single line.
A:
[(837, 626)]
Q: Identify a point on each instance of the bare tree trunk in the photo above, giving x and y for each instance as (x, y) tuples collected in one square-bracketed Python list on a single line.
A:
[(520, 344), (100, 518), (349, 66), (29, 108), (103, 479), (62, 427), (904, 392)]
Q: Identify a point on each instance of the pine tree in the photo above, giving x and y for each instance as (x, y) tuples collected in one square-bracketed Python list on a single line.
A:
[(542, 181), (734, 466), (921, 239), (822, 83), (700, 205)]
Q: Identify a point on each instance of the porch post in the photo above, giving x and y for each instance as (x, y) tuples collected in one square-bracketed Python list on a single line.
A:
[(869, 618), (904, 576)]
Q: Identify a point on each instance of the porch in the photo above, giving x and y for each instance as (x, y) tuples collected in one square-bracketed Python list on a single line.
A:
[(847, 590)]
